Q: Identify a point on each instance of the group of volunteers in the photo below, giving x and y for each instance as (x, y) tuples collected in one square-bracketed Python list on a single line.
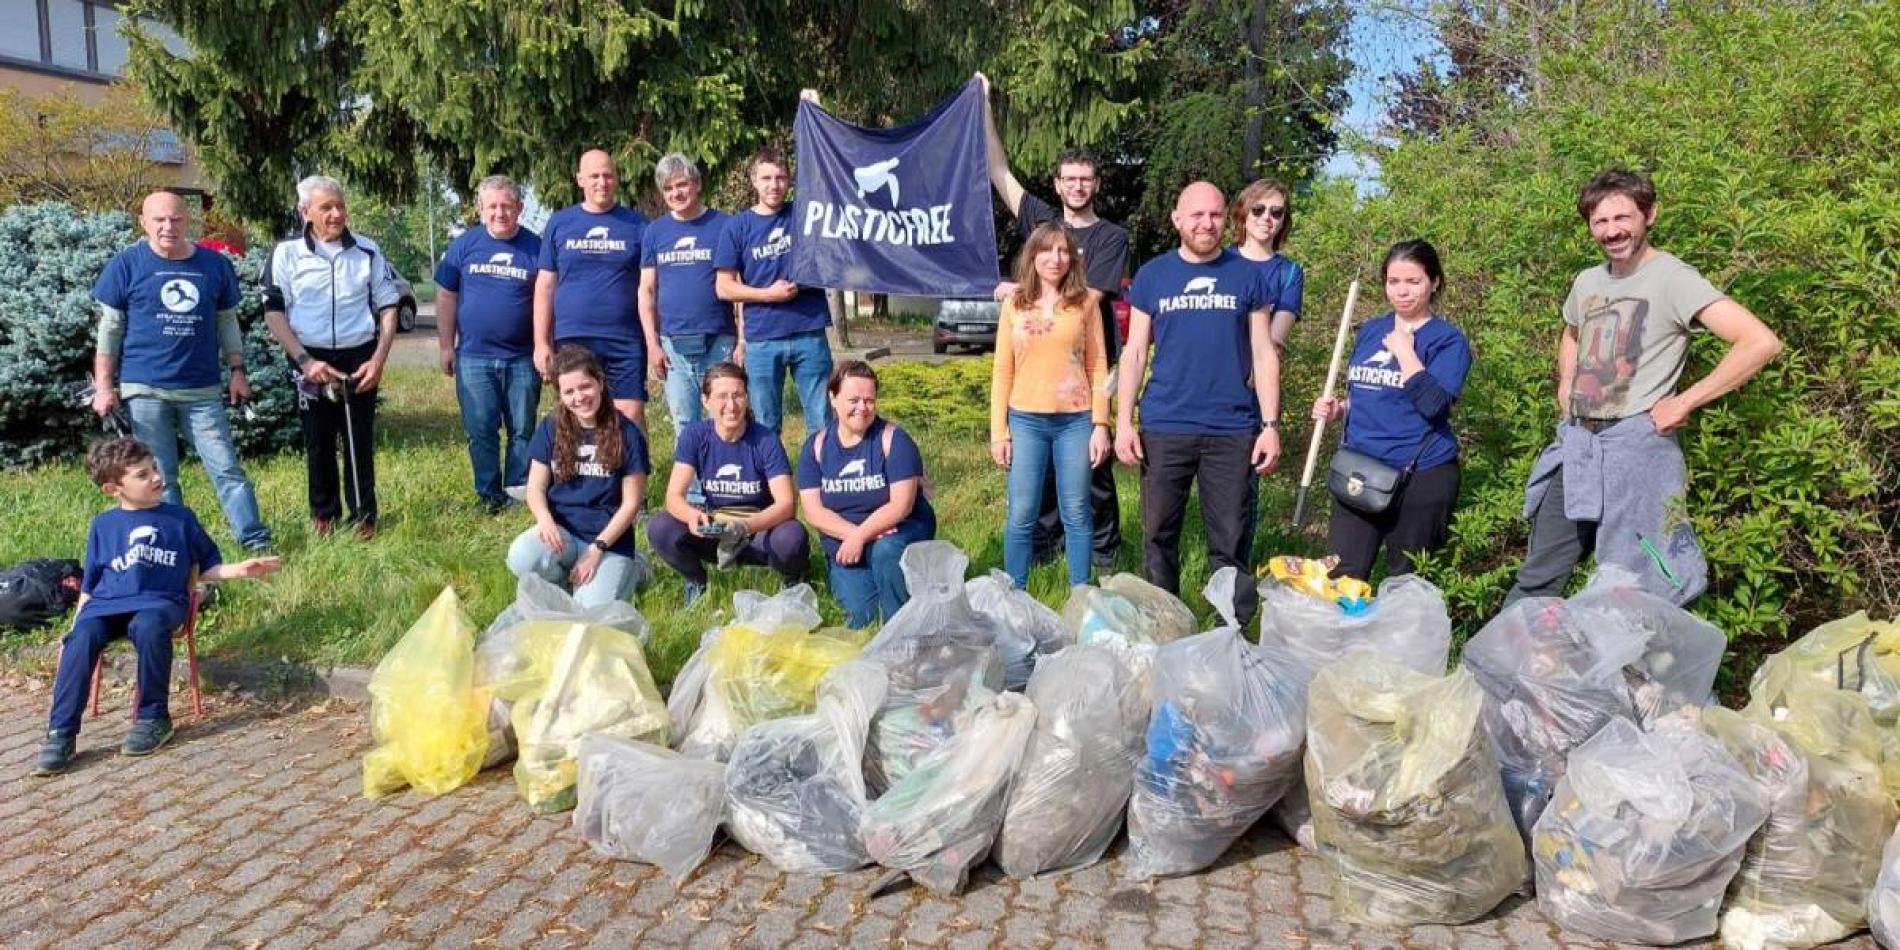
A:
[(699, 300)]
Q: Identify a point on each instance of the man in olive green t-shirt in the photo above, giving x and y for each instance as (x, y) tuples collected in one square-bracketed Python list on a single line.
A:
[(1627, 325)]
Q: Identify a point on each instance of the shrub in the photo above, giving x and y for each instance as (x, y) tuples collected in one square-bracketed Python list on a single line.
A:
[(50, 255)]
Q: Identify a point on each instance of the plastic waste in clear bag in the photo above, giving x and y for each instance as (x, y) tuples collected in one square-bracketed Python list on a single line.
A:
[(1408, 811), (1855, 653), (1681, 652), (1026, 629), (1406, 621), (1066, 803), (1223, 744), (501, 735), (641, 802), (599, 684), (795, 786), (939, 821), (428, 718), (1645, 832), (1805, 875), (514, 655), (1126, 613), (1883, 902)]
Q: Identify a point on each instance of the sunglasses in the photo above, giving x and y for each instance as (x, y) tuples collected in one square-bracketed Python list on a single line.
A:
[(1276, 212)]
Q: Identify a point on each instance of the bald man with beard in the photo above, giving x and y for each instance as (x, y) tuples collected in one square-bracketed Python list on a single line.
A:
[(1210, 408), (167, 315), (588, 289)]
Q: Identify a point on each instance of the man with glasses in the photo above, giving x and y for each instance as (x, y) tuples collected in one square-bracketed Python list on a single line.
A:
[(1104, 247)]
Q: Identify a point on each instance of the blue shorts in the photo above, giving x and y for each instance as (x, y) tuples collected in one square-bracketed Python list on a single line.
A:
[(626, 366)]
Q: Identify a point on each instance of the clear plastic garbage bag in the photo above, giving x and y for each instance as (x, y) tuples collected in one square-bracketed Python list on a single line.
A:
[(1645, 832), (641, 802), (599, 684), (1025, 628), (940, 820), (936, 676), (1407, 808), (1070, 792), (1126, 613), (1223, 744), (428, 718), (1406, 621), (795, 787), (1293, 815), (1805, 875), (514, 655), (1681, 652), (1883, 902), (501, 735), (1854, 653)]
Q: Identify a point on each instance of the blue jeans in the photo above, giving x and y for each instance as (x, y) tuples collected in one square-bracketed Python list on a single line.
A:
[(1038, 440), (875, 585), (687, 357), (497, 394), (807, 358), (614, 578), (156, 422)]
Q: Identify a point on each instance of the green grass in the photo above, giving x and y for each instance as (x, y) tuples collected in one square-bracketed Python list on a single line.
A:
[(341, 600)]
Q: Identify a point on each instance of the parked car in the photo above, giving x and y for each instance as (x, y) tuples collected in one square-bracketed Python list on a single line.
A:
[(405, 307), (966, 323)]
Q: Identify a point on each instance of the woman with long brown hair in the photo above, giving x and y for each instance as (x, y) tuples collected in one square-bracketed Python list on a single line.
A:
[(587, 475), (1048, 407)]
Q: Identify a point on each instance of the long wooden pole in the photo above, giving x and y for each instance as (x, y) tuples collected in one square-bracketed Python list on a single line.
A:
[(1319, 427)]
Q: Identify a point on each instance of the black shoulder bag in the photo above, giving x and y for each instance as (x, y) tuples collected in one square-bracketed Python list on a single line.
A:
[(1367, 485)]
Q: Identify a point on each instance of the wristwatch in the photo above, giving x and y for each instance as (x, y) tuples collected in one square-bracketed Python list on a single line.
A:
[(1269, 424), (603, 545)]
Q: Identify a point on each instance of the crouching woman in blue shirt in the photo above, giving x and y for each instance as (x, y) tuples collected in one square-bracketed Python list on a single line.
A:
[(861, 485), (1407, 370), (587, 475)]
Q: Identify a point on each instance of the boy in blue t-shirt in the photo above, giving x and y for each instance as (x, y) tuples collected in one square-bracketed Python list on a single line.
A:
[(140, 562)]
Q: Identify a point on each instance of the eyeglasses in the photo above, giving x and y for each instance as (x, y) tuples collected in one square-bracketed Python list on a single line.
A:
[(1276, 212), (1077, 179)]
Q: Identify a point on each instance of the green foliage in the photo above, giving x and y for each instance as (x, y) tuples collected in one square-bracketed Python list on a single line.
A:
[(50, 256), (1769, 130), (88, 151)]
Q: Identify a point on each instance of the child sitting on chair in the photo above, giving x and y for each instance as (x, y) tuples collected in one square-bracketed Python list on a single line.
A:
[(141, 558)]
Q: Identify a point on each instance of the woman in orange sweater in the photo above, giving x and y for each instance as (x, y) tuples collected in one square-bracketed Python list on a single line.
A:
[(1047, 399)]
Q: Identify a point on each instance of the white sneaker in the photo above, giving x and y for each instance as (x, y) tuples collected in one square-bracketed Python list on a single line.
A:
[(517, 492)]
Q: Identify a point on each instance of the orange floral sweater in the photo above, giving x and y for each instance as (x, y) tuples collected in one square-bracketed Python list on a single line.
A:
[(1048, 362)]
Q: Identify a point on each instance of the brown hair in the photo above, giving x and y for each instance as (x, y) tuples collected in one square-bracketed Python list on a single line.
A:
[(850, 369), (767, 156), (1074, 289), (610, 449), (1251, 195), (1635, 186), (723, 370), (1077, 156), (107, 461)]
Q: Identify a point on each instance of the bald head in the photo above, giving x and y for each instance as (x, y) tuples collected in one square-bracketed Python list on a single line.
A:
[(1199, 215), (167, 224), (599, 181)]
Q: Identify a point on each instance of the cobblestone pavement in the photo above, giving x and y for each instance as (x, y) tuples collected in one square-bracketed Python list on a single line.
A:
[(250, 830)]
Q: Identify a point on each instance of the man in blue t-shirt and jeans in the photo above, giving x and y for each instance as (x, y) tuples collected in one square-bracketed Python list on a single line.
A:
[(167, 311), (589, 287), (484, 318), (677, 296), (1210, 411)]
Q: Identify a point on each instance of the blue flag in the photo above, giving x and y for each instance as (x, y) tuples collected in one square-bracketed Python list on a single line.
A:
[(900, 211)]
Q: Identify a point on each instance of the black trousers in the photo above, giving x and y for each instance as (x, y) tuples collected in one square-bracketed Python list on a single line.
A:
[(1221, 465), (1419, 519), (325, 425), (1105, 507)]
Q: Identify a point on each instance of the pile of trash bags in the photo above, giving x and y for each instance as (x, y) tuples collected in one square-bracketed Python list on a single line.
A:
[(1223, 744), (939, 820), (1408, 810), (1645, 832), (427, 716), (1066, 802), (795, 789), (647, 803), (1555, 671)]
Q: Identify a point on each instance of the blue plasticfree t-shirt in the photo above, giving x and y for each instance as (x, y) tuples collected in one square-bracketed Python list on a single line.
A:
[(493, 283), (141, 559), (585, 503), (1381, 419), (681, 254), (597, 258), (733, 474), (758, 248), (171, 314), (855, 482), (1201, 383), (1286, 283)]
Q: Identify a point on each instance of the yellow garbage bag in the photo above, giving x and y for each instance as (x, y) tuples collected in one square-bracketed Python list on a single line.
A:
[(599, 684), (429, 720), (1856, 653), (770, 673)]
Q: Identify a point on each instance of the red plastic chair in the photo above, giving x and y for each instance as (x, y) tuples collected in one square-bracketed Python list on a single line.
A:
[(187, 632)]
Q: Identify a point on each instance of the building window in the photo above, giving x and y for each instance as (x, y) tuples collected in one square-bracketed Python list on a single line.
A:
[(72, 35), (108, 46), (66, 24), (21, 41)]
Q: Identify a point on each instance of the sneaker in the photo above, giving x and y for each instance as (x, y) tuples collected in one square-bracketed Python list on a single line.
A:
[(517, 492), (693, 593), (324, 527), (366, 530), (56, 753), (146, 736)]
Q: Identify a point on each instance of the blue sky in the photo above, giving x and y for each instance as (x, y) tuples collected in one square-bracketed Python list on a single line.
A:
[(1386, 38)]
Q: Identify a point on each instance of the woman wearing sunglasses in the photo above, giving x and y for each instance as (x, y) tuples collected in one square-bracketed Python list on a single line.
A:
[(1262, 217)]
